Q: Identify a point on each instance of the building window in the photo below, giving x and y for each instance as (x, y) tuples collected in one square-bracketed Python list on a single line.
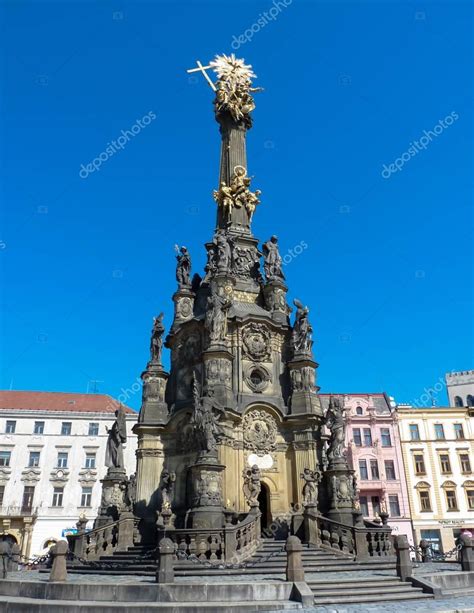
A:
[(439, 432), (5, 458), (465, 463), (459, 432), (374, 470), (356, 437), (66, 428), (470, 499), (367, 437), (27, 502), (458, 401), (394, 505), (34, 459), (90, 460), (414, 432), (386, 439), (419, 465), (364, 505), (2, 494), (470, 400), (86, 497), (434, 539), (58, 496), (390, 470), (10, 427), (93, 429), (359, 411), (451, 500), (364, 475), (38, 427), (425, 502), (62, 459), (375, 505), (445, 463)]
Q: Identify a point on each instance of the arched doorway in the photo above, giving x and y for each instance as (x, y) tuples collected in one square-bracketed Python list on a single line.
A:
[(264, 506)]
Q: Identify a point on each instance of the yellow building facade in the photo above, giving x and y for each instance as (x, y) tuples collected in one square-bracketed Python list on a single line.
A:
[(438, 455)]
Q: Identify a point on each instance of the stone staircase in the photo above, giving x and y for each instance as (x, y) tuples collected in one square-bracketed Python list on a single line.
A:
[(269, 559), (349, 581), (353, 590)]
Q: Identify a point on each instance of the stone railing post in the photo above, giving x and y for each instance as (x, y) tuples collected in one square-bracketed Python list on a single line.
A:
[(230, 543), (58, 570), (425, 551), (126, 527), (165, 572), (361, 544), (294, 563), (467, 552), (310, 520), (404, 563)]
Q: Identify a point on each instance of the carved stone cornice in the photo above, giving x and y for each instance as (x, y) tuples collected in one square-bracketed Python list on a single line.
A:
[(5, 473), (87, 475), (59, 475), (31, 475)]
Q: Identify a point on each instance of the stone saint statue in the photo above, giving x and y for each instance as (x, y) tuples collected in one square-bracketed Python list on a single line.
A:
[(310, 487), (272, 260), (156, 344), (252, 485), (167, 487), (216, 318), (131, 491), (336, 423), (301, 335), (183, 267), (223, 251), (117, 438), (205, 420)]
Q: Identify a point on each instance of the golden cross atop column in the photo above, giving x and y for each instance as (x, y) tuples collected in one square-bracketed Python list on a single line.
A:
[(203, 69)]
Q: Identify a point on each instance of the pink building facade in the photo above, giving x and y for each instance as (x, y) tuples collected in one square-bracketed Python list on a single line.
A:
[(374, 452)]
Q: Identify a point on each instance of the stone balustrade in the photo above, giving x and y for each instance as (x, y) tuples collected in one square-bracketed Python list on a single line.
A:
[(231, 543), (366, 540)]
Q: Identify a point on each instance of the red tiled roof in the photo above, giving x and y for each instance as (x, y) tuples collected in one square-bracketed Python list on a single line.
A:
[(59, 401)]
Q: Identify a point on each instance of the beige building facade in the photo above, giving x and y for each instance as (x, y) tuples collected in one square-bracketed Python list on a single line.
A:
[(438, 454)]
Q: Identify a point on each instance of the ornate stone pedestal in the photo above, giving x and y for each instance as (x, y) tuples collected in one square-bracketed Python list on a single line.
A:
[(218, 374), (154, 408), (304, 397), (275, 300), (340, 489), (113, 501), (205, 479), (183, 305)]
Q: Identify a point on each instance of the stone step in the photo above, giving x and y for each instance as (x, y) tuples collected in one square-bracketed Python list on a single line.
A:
[(361, 599), (348, 584), (32, 605), (363, 591)]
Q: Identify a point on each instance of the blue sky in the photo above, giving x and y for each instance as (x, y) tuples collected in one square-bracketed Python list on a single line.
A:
[(87, 262)]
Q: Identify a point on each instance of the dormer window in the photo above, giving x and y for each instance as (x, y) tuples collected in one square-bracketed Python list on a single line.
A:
[(359, 411)]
